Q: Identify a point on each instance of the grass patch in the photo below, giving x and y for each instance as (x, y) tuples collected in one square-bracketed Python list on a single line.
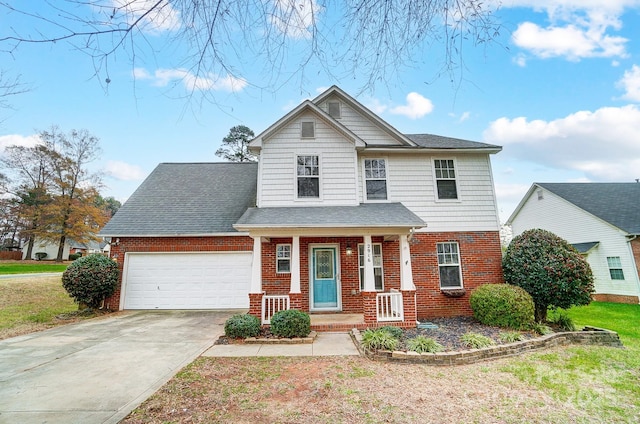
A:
[(29, 267)]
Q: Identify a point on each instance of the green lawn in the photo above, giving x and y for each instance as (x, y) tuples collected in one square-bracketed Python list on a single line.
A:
[(30, 267)]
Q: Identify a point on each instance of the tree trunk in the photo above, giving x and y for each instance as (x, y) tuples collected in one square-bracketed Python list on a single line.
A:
[(61, 248), (29, 248), (541, 313)]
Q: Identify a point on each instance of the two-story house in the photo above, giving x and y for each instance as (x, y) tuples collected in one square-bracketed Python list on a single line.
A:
[(341, 214)]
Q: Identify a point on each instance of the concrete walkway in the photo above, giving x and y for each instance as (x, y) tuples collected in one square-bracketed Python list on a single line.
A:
[(98, 371), (325, 344)]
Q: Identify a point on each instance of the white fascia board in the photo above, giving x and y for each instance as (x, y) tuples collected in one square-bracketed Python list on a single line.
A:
[(234, 234)]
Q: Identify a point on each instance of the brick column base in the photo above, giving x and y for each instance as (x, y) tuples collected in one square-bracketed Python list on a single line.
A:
[(409, 305), (295, 301), (369, 307), (255, 304)]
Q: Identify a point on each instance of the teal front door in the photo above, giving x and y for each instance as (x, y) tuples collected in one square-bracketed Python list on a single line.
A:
[(325, 282)]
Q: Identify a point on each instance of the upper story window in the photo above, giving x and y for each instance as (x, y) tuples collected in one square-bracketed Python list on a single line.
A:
[(449, 265), (615, 267), (377, 265), (308, 176), (283, 258), (307, 129), (375, 177), (445, 179), (334, 109)]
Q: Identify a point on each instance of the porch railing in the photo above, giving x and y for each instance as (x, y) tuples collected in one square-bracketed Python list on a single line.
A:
[(272, 304), (389, 306)]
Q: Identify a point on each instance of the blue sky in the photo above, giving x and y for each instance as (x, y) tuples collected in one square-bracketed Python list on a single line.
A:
[(559, 89)]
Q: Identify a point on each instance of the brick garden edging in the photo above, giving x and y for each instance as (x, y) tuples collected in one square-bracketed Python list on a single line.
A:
[(589, 335)]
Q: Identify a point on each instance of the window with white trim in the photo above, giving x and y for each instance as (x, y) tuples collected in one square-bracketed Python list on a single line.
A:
[(375, 177), (449, 265), (377, 265), (308, 176), (445, 179), (307, 129), (334, 109), (283, 258), (615, 267)]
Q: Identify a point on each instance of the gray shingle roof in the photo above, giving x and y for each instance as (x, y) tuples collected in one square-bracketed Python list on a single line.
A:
[(432, 141), (615, 203), (187, 199), (585, 247), (363, 215)]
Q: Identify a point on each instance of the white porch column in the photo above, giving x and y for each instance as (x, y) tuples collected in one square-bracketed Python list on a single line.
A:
[(256, 267), (295, 265), (406, 275), (369, 278)]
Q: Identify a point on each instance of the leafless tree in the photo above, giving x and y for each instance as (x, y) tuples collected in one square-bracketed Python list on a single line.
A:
[(222, 39), (10, 86)]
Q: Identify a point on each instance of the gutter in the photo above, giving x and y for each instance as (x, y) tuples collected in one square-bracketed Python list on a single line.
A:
[(630, 238)]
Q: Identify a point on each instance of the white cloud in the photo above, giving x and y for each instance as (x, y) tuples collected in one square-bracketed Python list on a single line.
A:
[(630, 83), (18, 140), (603, 144), (417, 106), (164, 16), (163, 77), (295, 19), (124, 171)]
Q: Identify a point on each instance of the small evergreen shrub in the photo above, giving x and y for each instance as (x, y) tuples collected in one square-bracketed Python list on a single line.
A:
[(91, 279), (422, 344), (476, 340), (540, 328), (379, 340), (242, 326), (562, 320), (291, 323), (74, 256), (394, 331), (502, 305), (510, 337), (40, 255)]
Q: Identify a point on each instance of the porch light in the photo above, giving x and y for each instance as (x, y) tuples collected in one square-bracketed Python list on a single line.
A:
[(349, 250)]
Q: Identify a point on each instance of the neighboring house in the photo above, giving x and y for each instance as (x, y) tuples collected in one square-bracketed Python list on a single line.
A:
[(50, 248), (90, 247), (342, 213), (602, 220)]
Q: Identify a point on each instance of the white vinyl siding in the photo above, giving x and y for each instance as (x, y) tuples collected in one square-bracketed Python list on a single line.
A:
[(562, 218)]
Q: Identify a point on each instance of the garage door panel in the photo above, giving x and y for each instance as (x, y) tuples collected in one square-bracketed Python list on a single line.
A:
[(187, 281)]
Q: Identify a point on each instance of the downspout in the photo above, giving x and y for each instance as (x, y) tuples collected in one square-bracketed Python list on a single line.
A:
[(633, 262)]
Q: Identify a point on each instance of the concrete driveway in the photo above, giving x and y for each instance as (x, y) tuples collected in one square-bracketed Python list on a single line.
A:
[(98, 371)]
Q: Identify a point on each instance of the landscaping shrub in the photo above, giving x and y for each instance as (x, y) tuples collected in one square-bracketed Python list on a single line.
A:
[(394, 331), (502, 305), (40, 255), (242, 326), (291, 323), (379, 340), (476, 340), (541, 329), (422, 344), (74, 256), (91, 279), (510, 337), (562, 320), (549, 269)]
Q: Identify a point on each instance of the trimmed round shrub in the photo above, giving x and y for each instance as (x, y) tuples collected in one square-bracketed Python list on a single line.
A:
[(291, 323), (242, 326), (502, 305), (91, 279), (74, 256), (40, 255)]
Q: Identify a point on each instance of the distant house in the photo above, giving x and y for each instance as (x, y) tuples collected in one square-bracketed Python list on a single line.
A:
[(602, 220), (70, 246), (341, 214)]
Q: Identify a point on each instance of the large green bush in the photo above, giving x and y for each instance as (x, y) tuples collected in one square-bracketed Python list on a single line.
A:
[(291, 323), (242, 326), (549, 269), (502, 305), (91, 279)]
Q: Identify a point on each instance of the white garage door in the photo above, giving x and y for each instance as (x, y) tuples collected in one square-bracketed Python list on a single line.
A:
[(187, 280)]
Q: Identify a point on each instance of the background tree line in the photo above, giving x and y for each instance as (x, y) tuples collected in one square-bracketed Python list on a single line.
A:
[(49, 194)]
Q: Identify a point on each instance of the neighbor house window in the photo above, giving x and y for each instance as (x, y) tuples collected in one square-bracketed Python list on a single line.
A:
[(615, 268), (445, 179), (283, 258), (308, 129), (308, 176), (449, 265), (334, 109), (375, 176), (377, 265)]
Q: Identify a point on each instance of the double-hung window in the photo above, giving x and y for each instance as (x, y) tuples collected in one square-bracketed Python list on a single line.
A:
[(375, 177), (377, 265), (615, 267), (283, 258), (445, 179), (308, 176), (449, 265)]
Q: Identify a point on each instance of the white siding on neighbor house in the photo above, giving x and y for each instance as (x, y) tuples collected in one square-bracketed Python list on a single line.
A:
[(51, 249), (360, 125), (410, 181), (552, 213), (278, 166)]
